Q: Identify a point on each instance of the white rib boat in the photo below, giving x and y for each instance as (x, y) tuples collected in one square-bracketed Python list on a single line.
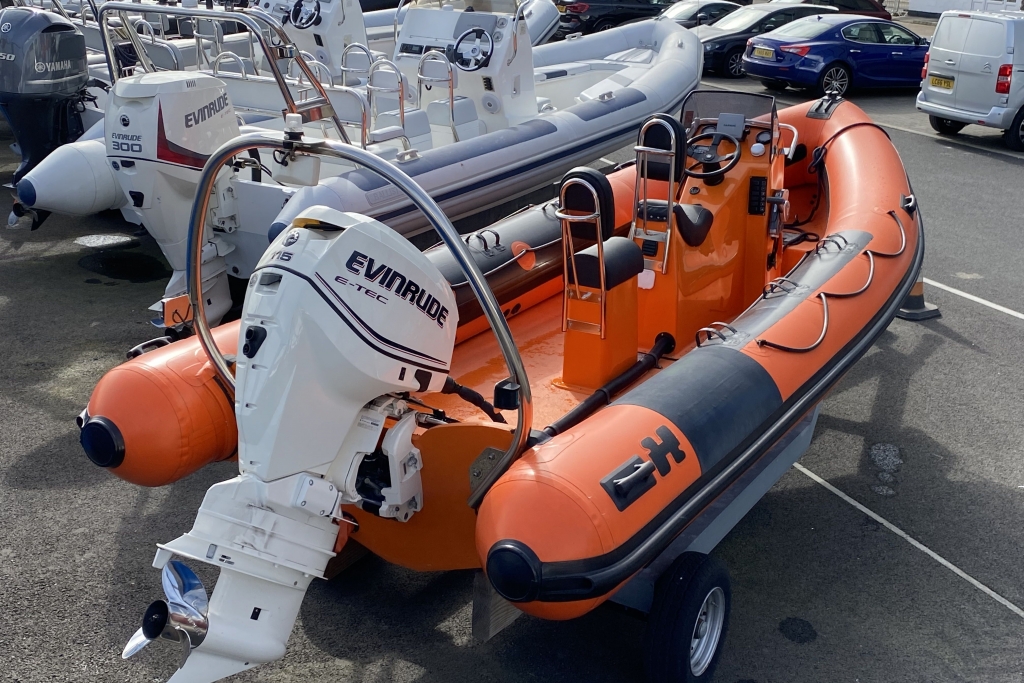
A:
[(480, 118), (319, 30)]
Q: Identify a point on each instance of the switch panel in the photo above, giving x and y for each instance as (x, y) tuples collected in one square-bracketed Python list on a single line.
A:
[(758, 195)]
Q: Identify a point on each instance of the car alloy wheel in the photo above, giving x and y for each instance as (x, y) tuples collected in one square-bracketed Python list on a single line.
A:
[(735, 64), (836, 79)]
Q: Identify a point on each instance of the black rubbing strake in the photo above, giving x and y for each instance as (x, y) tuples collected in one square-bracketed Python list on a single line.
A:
[(716, 396)]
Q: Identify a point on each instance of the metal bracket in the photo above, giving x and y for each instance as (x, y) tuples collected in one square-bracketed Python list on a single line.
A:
[(908, 203), (483, 464)]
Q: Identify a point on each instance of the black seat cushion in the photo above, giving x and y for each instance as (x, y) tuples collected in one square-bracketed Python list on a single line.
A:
[(623, 259), (578, 199), (657, 137), (692, 220)]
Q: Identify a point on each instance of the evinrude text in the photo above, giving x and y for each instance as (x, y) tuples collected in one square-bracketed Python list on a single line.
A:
[(393, 281), (194, 118)]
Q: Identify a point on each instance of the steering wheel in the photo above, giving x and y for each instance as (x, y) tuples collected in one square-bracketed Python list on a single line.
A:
[(304, 17), (473, 57), (708, 157)]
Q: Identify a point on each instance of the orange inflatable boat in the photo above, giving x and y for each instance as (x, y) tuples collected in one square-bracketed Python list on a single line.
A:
[(680, 320)]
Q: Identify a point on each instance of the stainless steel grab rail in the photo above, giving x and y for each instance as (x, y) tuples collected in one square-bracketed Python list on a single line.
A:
[(261, 25), (229, 55), (346, 69), (422, 201), (434, 56)]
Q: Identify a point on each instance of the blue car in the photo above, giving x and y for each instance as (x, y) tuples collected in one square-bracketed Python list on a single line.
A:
[(836, 52)]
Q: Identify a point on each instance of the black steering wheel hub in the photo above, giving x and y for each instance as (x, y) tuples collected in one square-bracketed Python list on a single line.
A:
[(305, 16), (473, 50), (713, 164)]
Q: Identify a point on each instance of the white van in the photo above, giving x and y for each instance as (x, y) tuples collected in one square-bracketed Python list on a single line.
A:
[(973, 75)]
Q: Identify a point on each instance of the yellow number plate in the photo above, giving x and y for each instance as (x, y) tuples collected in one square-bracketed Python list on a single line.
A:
[(764, 53), (945, 83)]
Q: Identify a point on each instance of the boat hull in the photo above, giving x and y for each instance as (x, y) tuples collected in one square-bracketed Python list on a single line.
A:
[(711, 430), (558, 538)]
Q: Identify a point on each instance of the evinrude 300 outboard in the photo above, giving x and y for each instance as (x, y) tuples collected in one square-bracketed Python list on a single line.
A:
[(160, 129), (43, 73)]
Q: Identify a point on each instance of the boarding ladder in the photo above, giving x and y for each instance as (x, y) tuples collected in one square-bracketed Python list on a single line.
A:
[(650, 232), (569, 270)]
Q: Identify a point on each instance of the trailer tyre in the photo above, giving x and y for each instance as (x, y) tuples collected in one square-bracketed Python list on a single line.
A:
[(688, 622)]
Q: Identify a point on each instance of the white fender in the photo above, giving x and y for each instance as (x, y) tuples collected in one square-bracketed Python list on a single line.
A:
[(94, 189)]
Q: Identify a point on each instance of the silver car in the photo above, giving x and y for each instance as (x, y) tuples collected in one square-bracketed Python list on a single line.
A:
[(973, 75)]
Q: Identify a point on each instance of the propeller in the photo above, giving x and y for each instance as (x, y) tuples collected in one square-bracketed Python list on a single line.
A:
[(182, 618)]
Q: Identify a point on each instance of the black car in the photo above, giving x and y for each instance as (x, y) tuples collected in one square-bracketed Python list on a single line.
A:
[(690, 13), (586, 16), (725, 40)]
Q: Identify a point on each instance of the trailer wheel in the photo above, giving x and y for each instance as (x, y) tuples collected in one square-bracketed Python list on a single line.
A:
[(688, 622)]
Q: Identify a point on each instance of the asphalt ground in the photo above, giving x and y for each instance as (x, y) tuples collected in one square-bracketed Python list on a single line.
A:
[(925, 432)]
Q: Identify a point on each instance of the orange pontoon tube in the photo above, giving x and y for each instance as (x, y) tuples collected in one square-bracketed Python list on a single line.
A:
[(680, 321)]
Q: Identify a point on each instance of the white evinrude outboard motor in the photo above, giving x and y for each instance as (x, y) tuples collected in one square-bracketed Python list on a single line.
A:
[(341, 314), (160, 129)]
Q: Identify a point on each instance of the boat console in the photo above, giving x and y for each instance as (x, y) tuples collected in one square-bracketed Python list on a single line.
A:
[(723, 167), (487, 45), (320, 28)]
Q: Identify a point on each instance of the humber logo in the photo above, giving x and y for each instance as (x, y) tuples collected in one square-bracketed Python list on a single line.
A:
[(194, 118), (393, 281), (63, 64)]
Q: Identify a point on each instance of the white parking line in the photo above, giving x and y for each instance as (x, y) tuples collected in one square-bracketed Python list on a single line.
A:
[(917, 544), (975, 299), (962, 142)]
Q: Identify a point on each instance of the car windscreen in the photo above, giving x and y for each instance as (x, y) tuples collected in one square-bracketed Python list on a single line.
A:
[(808, 27), (709, 104), (682, 10), (741, 19)]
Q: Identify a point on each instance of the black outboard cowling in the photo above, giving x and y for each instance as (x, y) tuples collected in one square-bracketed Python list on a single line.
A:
[(43, 72)]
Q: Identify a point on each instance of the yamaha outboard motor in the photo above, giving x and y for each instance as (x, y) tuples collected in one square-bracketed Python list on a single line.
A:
[(43, 72)]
